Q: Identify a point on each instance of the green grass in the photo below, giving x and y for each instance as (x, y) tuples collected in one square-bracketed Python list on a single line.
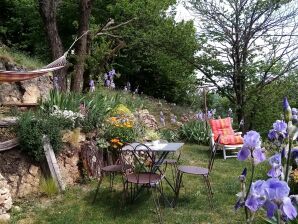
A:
[(20, 58), (193, 206)]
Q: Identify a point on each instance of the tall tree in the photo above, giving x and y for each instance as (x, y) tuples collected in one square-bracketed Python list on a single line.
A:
[(246, 43), (47, 9), (85, 7), (148, 61)]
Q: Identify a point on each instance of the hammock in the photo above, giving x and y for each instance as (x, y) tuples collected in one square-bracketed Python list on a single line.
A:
[(15, 76)]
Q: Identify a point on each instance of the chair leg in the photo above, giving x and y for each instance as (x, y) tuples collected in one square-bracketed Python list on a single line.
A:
[(97, 188), (177, 187), (210, 193), (224, 153), (112, 177), (157, 203)]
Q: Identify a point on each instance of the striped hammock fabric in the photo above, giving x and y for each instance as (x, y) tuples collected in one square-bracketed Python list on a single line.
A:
[(16, 76), (223, 132)]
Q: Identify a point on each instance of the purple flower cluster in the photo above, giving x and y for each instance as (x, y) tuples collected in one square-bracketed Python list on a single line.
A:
[(279, 131), (202, 117), (109, 79), (272, 194), (276, 166), (252, 148)]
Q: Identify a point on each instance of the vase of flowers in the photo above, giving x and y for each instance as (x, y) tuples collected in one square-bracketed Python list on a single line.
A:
[(153, 137)]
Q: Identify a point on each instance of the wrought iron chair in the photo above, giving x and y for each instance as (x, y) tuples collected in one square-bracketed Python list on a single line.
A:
[(120, 167), (145, 175), (223, 136), (199, 171)]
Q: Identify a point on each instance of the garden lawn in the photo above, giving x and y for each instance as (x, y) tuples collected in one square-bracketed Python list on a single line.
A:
[(75, 206)]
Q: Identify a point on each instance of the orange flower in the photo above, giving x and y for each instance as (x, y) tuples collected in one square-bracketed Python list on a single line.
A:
[(115, 140)]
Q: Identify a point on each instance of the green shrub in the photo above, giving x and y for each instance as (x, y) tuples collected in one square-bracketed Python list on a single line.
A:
[(169, 135), (195, 132), (32, 126), (48, 187), (65, 101)]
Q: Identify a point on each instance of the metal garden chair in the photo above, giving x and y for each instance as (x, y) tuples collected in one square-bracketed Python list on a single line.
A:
[(199, 171), (120, 167)]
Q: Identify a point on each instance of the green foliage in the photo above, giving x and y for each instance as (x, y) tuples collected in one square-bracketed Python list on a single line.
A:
[(195, 132), (20, 58), (152, 135), (31, 128), (169, 135), (21, 27), (48, 187), (65, 101), (265, 108), (155, 43)]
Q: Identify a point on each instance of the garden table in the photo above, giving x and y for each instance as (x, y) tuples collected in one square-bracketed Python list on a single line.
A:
[(163, 148)]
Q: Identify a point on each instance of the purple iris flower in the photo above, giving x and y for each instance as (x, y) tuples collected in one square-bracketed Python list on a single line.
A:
[(280, 126), (279, 131), (200, 116), (272, 195), (256, 199), (287, 110), (252, 147), (252, 139), (294, 111), (276, 193), (272, 135), (276, 167), (210, 114)]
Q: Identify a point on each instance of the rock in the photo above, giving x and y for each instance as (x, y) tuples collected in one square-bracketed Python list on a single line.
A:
[(147, 119), (33, 170), (5, 217), (31, 95)]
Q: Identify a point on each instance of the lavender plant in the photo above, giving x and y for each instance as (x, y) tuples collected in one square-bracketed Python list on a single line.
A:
[(272, 194)]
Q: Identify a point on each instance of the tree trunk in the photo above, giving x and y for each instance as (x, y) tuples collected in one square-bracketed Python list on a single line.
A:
[(47, 10), (81, 46)]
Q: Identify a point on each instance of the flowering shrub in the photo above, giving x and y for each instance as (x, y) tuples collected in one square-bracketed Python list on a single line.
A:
[(120, 127), (68, 114), (271, 194)]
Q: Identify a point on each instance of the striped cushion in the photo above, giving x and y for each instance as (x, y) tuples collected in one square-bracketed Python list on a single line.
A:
[(223, 128), (230, 139)]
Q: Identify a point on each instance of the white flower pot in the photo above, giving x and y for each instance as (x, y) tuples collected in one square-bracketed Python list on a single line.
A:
[(155, 142)]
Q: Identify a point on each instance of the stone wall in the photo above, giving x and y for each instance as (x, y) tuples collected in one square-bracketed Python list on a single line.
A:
[(28, 91), (5, 200), (23, 176)]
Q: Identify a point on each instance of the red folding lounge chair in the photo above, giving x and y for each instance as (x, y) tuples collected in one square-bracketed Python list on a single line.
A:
[(223, 136)]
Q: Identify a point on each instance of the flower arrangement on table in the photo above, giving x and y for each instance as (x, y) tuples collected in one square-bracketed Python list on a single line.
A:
[(152, 136), (272, 194)]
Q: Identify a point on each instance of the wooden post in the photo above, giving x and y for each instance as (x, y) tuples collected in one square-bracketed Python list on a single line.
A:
[(52, 162)]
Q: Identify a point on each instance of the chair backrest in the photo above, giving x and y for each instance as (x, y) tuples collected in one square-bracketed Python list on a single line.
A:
[(144, 157), (221, 127)]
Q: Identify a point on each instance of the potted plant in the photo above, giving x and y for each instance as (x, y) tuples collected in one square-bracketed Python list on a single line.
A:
[(153, 136)]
